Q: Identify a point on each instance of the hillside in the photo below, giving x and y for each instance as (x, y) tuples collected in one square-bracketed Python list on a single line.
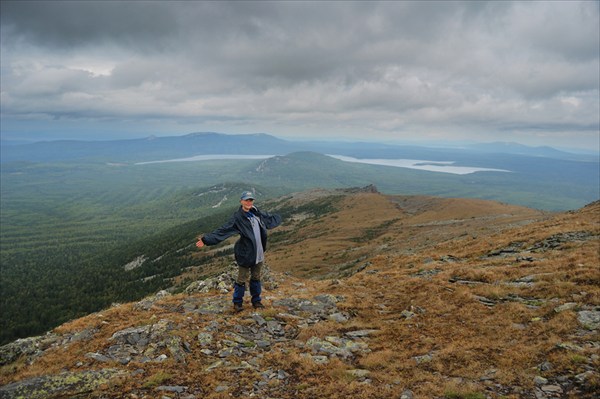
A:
[(541, 178), (145, 149), (154, 148), (368, 296), (68, 227)]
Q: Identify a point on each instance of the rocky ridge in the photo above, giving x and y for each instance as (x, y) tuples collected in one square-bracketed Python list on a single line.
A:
[(510, 313), (233, 344)]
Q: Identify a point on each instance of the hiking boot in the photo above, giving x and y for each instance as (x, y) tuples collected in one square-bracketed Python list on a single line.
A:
[(258, 305), (237, 307)]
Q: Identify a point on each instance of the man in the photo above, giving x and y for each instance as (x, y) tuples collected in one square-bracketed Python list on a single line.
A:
[(251, 224)]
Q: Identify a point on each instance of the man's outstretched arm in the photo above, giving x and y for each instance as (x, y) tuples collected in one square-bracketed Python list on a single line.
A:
[(220, 234)]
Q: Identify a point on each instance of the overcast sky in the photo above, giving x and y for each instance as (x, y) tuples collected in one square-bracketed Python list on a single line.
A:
[(394, 71)]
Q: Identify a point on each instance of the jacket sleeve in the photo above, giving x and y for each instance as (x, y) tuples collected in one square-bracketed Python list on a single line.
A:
[(270, 220), (221, 234)]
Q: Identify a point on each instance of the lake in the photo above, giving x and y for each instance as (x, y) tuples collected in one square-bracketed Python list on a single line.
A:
[(210, 157), (431, 166)]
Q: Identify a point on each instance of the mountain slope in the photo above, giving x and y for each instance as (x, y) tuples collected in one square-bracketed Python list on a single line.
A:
[(416, 296), (159, 148), (147, 149), (534, 182)]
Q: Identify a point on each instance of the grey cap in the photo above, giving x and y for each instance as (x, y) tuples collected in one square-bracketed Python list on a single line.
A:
[(246, 195)]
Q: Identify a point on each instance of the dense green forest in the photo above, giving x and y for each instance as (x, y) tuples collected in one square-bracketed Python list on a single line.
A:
[(62, 282), (67, 229)]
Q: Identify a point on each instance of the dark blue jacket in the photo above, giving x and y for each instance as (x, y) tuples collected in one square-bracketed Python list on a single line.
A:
[(245, 247)]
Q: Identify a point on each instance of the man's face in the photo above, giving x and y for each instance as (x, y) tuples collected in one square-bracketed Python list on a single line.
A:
[(247, 204)]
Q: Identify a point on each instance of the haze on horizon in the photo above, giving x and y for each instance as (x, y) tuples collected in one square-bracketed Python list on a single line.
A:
[(435, 71)]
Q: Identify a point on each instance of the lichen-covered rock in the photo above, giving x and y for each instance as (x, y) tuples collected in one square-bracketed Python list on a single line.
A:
[(147, 303), (336, 346), (143, 344), (30, 347), (223, 282), (590, 319), (59, 386)]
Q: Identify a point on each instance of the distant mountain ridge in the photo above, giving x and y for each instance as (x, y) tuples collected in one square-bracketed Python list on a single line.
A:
[(534, 181), (145, 149), (520, 149), (159, 148)]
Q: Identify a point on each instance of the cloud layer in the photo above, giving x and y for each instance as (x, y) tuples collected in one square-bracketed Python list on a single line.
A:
[(512, 71)]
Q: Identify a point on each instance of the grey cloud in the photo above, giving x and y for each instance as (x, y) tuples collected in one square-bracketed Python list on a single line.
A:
[(392, 65), (561, 29), (72, 24)]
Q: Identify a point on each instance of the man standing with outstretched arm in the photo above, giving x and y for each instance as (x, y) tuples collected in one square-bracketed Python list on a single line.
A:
[(251, 224)]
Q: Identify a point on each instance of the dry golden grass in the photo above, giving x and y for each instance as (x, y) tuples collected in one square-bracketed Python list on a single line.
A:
[(320, 330), (408, 292)]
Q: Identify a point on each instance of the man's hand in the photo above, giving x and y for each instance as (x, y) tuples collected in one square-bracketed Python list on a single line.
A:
[(200, 243)]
